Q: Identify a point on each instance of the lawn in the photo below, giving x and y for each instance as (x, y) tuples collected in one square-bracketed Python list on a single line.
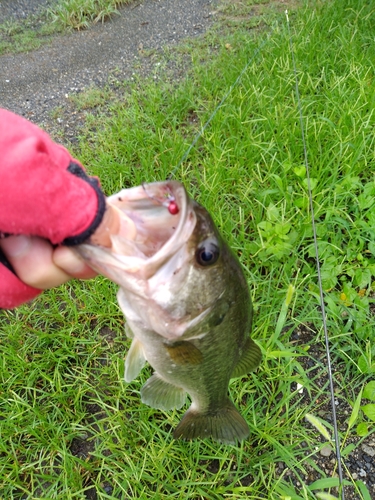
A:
[(71, 428)]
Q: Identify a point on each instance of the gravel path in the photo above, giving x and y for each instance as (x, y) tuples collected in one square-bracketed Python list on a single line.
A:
[(35, 83)]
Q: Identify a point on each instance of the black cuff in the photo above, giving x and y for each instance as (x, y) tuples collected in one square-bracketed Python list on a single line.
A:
[(5, 262), (94, 183)]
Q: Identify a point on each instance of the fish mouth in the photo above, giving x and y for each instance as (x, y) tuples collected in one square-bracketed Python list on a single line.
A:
[(163, 217), (158, 211)]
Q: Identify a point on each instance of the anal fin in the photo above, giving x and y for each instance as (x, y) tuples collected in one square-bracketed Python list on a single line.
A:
[(160, 394), (249, 360)]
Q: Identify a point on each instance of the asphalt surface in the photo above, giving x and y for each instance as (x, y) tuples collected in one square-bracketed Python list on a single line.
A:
[(13, 10)]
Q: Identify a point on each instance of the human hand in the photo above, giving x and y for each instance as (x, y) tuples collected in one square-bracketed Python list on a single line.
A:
[(44, 192), (38, 264), (41, 265)]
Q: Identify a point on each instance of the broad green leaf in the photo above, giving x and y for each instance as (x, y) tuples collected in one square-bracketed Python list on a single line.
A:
[(302, 202), (362, 277), (348, 449), (287, 492), (328, 482), (321, 484), (273, 213), (318, 425), (371, 247), (300, 171), (369, 411), (362, 429), (313, 183), (355, 411), (365, 366), (369, 391)]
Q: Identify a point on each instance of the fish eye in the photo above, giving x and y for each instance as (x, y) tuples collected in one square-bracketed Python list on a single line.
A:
[(207, 253)]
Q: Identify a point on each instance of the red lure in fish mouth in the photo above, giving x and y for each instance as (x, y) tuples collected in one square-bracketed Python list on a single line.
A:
[(169, 201), (173, 208)]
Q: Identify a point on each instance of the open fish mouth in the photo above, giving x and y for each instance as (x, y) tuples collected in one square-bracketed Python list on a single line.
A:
[(156, 219), (158, 211)]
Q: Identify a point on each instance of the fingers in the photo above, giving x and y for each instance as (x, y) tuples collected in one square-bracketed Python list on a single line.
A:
[(38, 264), (67, 259), (33, 260)]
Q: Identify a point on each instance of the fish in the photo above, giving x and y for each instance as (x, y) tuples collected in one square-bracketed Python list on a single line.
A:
[(187, 307)]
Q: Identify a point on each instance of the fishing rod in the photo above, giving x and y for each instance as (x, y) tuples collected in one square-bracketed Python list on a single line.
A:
[(311, 204)]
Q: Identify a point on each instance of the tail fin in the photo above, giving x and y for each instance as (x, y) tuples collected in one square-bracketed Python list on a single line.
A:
[(225, 425)]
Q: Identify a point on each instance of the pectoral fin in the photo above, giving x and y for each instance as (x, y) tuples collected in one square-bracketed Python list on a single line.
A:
[(160, 394), (135, 361), (249, 360), (128, 331), (183, 352)]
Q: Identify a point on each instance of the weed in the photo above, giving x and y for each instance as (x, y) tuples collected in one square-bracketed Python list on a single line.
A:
[(11, 27), (80, 14), (26, 35), (91, 98)]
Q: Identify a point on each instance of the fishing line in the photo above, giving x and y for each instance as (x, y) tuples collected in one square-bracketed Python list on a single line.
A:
[(321, 293), (213, 114)]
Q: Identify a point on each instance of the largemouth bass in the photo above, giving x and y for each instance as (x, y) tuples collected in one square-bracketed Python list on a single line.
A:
[(187, 307)]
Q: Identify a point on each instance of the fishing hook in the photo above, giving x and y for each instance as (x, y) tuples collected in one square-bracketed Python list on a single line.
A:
[(169, 201)]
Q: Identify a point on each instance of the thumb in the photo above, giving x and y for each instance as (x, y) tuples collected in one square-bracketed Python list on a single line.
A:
[(31, 259)]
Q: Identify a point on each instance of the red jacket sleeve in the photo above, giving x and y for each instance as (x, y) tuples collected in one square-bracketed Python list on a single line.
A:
[(43, 192)]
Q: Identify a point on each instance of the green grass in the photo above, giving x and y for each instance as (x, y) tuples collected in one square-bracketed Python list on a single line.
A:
[(80, 14), (62, 356), (29, 34)]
